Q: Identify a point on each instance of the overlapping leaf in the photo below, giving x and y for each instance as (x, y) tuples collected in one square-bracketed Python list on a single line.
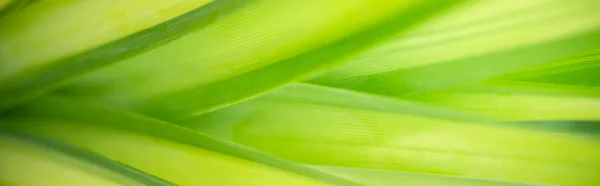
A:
[(479, 41), (259, 47), (498, 92), (581, 70), (26, 154), (402, 138), (45, 42), (172, 153)]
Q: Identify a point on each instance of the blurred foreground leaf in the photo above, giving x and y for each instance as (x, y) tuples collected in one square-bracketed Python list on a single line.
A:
[(54, 163), (172, 153)]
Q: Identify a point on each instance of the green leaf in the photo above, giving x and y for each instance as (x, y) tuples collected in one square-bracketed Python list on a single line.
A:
[(581, 70), (258, 48), (521, 34), (52, 162), (336, 97), (493, 92), (71, 37), (401, 139), (187, 157), (393, 178), (521, 101)]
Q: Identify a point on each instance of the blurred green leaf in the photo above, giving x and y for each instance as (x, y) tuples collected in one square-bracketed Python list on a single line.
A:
[(521, 101), (260, 47), (392, 178), (469, 45), (33, 160), (325, 133), (417, 92), (46, 42), (172, 153), (581, 70)]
